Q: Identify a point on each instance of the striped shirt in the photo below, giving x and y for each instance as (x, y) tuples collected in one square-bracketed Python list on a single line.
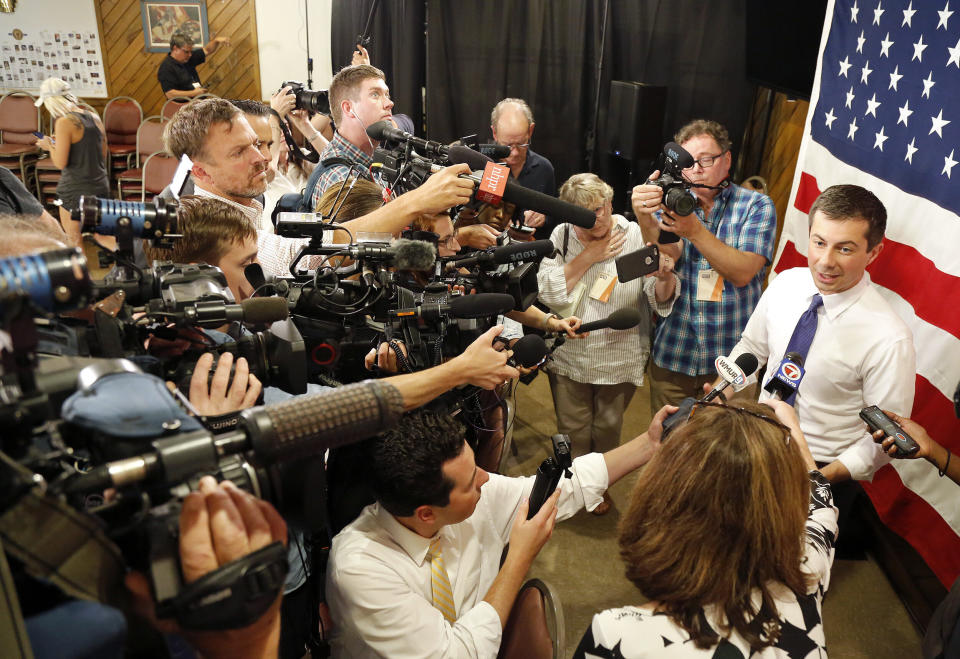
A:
[(339, 147), (697, 332), (607, 356)]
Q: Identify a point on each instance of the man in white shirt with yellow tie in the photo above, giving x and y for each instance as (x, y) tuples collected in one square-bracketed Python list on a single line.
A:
[(418, 573)]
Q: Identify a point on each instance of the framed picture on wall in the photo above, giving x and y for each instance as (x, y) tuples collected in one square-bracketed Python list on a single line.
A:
[(162, 19)]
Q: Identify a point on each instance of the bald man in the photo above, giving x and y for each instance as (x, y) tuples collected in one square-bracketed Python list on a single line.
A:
[(512, 125)]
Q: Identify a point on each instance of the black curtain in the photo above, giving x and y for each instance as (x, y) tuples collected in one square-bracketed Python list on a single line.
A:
[(397, 46), (547, 52)]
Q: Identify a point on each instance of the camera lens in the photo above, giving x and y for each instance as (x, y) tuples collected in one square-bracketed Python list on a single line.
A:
[(313, 101), (679, 201)]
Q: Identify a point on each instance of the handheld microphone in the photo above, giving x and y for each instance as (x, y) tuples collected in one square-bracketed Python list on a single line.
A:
[(515, 193), (529, 351), (786, 380), (620, 319), (512, 253), (735, 373), (480, 305)]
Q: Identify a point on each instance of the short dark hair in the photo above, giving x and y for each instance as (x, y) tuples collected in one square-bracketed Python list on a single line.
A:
[(406, 462), (851, 202), (180, 39), (252, 107), (186, 132), (209, 227)]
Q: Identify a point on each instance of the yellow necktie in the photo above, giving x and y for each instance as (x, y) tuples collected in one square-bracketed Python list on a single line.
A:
[(442, 592)]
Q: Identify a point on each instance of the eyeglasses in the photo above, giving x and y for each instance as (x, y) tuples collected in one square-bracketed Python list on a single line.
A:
[(518, 147), (740, 410), (706, 161)]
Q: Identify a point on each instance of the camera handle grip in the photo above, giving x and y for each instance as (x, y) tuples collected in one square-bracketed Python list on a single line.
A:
[(548, 477)]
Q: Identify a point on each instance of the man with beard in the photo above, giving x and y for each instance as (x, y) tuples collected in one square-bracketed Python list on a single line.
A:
[(727, 242)]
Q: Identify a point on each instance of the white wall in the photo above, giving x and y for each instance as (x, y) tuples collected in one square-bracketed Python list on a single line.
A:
[(281, 35)]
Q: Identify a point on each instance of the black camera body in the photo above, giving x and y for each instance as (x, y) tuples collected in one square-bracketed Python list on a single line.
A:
[(676, 190), (549, 472), (308, 99)]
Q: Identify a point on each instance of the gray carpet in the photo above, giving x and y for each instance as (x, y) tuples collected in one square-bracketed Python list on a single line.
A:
[(862, 615)]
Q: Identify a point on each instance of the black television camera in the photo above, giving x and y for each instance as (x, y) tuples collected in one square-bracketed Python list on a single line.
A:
[(676, 189), (308, 99)]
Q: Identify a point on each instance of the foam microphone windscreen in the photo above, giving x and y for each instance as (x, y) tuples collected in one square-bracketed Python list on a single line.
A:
[(747, 362), (480, 305), (625, 318), (465, 155), (679, 154), (795, 357), (530, 350), (265, 309), (413, 254), (377, 130), (495, 151)]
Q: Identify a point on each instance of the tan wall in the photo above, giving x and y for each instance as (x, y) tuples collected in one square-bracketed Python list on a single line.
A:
[(231, 72), (780, 151)]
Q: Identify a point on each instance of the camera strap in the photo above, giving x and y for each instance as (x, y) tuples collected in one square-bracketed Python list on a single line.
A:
[(57, 543)]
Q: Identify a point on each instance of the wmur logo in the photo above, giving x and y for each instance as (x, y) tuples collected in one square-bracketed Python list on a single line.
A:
[(730, 372)]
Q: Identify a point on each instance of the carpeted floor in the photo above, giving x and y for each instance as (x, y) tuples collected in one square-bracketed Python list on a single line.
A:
[(863, 617)]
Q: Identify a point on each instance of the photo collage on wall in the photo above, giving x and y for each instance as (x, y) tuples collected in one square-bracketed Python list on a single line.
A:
[(28, 59)]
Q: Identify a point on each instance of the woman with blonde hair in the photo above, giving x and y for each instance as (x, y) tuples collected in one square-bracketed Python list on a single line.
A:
[(78, 148), (730, 536)]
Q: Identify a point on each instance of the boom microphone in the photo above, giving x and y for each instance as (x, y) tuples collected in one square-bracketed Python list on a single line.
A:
[(620, 319), (494, 151), (523, 197), (735, 373), (786, 380), (512, 253), (402, 253)]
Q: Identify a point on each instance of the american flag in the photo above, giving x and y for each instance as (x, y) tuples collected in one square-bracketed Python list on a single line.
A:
[(885, 114)]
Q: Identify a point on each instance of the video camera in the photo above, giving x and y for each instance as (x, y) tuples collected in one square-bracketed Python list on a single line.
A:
[(676, 190)]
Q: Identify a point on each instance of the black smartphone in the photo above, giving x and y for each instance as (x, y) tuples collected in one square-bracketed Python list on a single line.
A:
[(877, 420), (639, 263), (38, 134)]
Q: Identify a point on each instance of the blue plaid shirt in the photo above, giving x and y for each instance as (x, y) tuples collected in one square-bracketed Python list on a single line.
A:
[(339, 147), (690, 339)]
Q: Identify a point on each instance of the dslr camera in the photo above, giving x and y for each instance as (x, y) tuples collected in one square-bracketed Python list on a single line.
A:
[(308, 99), (676, 190)]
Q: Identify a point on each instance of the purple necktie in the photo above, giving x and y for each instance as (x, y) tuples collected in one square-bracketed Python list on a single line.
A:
[(803, 334)]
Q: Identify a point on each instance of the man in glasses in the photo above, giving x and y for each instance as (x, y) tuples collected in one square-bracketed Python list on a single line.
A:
[(725, 246), (177, 74), (512, 125)]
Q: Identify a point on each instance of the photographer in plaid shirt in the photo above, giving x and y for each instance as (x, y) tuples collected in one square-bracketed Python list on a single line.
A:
[(727, 242)]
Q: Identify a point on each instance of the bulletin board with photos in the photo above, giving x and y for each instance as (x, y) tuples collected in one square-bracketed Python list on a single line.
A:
[(30, 57)]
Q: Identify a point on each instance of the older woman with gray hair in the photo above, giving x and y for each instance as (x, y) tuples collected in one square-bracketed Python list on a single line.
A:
[(78, 148), (593, 380)]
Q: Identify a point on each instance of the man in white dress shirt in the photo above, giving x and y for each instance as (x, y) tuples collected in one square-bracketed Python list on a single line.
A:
[(437, 509), (862, 353)]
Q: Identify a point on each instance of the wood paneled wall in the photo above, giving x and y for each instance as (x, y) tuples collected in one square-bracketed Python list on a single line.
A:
[(232, 72), (781, 148)]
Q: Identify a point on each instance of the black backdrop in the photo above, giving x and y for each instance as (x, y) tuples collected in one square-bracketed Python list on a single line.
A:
[(469, 54)]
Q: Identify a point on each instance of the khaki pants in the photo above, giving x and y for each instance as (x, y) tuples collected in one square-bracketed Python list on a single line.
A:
[(591, 414), (669, 388)]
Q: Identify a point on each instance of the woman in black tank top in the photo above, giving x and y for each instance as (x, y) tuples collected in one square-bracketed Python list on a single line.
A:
[(78, 148)]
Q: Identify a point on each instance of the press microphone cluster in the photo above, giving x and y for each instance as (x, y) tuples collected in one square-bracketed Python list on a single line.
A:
[(620, 319), (384, 131), (506, 254)]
